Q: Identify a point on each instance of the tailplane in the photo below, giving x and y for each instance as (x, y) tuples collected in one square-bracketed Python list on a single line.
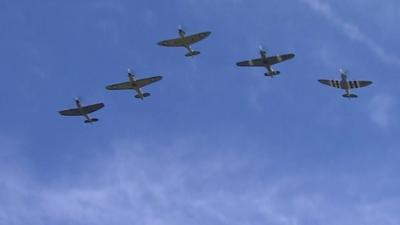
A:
[(273, 73), (92, 120), (193, 53), (350, 96), (144, 95)]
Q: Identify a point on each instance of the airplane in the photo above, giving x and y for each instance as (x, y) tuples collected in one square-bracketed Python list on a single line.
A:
[(83, 111), (185, 41), (267, 62), (135, 85), (346, 84)]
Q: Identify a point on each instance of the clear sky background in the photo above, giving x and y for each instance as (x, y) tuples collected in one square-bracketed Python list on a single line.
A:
[(215, 144)]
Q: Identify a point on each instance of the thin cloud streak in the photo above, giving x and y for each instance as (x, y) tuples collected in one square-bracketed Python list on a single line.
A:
[(380, 108), (152, 184), (352, 31)]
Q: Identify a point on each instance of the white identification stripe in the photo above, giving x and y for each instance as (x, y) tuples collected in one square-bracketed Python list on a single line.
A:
[(335, 83), (350, 84), (251, 63)]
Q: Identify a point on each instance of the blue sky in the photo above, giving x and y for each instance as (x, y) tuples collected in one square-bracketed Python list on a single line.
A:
[(214, 144)]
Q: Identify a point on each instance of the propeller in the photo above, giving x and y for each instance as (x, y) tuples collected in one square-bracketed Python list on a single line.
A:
[(182, 29), (344, 71), (130, 72), (78, 99), (262, 49), (263, 52)]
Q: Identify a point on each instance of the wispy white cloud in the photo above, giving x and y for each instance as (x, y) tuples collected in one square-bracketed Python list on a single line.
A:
[(381, 110), (255, 95), (352, 31), (147, 183)]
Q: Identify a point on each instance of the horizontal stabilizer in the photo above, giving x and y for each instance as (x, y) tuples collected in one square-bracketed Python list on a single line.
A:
[(192, 53), (92, 120), (273, 73), (350, 96), (144, 95)]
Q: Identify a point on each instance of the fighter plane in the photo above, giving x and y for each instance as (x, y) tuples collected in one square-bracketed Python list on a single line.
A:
[(346, 84), (135, 85), (83, 111), (185, 41), (267, 62)]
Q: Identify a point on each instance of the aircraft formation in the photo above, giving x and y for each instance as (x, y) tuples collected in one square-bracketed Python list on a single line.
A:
[(186, 42)]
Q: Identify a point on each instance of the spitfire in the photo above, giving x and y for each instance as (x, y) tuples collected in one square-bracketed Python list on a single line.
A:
[(267, 62), (134, 84), (84, 111), (346, 84), (185, 41)]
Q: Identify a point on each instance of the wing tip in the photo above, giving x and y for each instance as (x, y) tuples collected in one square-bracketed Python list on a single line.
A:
[(322, 81), (64, 112), (242, 63), (163, 43), (158, 78), (368, 83)]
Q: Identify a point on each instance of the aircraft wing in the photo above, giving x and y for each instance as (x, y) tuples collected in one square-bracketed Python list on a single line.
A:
[(120, 86), (267, 62), (146, 81), (332, 83), (253, 62), (82, 111), (197, 37), (278, 59), (351, 84), (359, 84), (188, 40)]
